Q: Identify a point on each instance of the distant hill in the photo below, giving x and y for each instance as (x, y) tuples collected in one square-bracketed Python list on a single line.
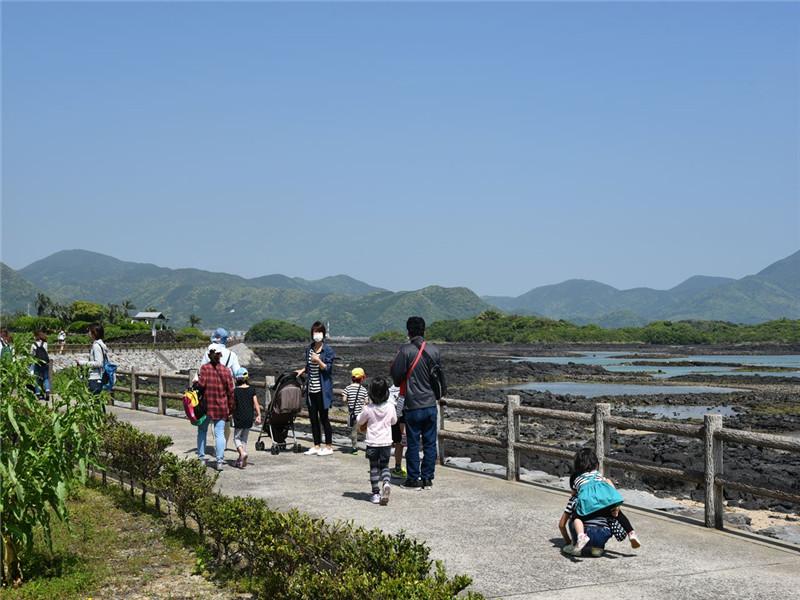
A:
[(353, 307), (773, 293), (16, 293)]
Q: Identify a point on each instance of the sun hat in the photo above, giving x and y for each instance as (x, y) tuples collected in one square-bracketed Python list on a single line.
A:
[(219, 335), (217, 348), (241, 373), (358, 372)]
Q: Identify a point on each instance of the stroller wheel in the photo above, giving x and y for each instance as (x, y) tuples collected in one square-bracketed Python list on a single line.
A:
[(297, 448), (275, 450), (260, 446)]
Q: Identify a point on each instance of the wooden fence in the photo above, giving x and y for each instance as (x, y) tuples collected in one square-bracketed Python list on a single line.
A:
[(511, 412)]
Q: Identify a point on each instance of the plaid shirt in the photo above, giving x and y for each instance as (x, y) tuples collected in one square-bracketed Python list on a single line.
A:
[(217, 384)]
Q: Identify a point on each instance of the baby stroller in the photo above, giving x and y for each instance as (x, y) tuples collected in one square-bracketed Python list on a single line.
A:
[(285, 404)]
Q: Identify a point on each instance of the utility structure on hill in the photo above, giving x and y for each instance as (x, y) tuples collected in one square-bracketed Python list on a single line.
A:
[(152, 318)]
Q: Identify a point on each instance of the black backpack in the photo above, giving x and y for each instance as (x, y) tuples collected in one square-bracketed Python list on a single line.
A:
[(41, 355), (438, 379)]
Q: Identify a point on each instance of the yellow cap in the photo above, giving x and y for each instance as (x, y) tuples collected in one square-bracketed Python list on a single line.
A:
[(358, 372)]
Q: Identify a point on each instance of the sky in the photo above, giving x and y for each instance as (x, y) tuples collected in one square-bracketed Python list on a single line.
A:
[(498, 146)]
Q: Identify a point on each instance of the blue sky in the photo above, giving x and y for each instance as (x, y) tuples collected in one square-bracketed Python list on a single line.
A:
[(496, 146)]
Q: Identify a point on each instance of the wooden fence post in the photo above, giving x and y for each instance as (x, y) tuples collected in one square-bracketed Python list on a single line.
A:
[(713, 452), (439, 442), (134, 397), (512, 437), (162, 402), (602, 434)]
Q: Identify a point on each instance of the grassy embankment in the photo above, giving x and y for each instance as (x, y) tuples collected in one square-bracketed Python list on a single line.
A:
[(110, 548)]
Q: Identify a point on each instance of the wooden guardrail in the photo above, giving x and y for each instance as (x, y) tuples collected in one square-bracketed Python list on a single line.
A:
[(711, 432)]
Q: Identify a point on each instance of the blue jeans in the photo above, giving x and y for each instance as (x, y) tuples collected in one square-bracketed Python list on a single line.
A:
[(421, 422), (42, 381), (219, 433), (95, 386), (598, 536)]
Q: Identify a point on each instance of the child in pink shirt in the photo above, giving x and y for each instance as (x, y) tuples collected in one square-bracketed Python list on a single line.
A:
[(377, 419)]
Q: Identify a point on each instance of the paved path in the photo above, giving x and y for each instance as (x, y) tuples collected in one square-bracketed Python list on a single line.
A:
[(504, 535)]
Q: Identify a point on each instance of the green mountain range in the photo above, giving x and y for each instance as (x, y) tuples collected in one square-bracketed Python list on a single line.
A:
[(773, 293), (355, 308), (352, 307)]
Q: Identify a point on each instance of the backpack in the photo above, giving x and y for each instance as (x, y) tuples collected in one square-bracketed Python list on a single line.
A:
[(596, 494), (41, 355), (438, 380), (194, 406), (109, 374)]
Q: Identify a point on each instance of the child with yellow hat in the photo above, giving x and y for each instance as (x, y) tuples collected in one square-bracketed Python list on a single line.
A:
[(355, 395)]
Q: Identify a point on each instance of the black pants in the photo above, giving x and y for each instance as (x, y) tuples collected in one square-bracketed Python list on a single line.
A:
[(319, 415), (608, 513)]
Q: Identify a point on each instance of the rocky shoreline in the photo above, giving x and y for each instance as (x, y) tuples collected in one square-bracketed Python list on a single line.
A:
[(482, 372)]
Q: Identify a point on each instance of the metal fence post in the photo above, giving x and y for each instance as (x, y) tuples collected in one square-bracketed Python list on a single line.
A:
[(713, 452), (134, 398), (512, 437), (162, 402), (602, 434)]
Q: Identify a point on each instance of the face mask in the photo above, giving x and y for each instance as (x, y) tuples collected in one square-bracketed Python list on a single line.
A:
[(318, 336)]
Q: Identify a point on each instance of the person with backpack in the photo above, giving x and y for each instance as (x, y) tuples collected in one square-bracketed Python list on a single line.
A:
[(216, 382), (593, 513), (417, 371), (6, 343), (41, 365), (376, 419), (355, 395), (98, 357)]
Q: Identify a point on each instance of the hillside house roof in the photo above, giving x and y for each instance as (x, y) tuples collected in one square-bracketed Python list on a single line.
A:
[(148, 316)]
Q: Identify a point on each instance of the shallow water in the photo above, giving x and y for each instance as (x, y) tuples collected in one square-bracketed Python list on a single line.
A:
[(593, 390), (613, 362), (666, 411)]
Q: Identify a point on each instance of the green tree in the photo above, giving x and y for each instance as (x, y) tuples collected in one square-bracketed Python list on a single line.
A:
[(83, 310), (43, 305), (194, 320)]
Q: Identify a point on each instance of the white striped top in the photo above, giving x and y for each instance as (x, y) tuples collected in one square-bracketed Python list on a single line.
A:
[(314, 382), (356, 397)]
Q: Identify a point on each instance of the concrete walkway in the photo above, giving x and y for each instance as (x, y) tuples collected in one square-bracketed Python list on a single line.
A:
[(504, 535)]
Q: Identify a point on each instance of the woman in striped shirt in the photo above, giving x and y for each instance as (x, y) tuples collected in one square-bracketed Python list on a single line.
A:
[(319, 358)]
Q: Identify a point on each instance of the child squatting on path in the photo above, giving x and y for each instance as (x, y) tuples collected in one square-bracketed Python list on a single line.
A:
[(377, 419), (594, 499), (245, 406), (355, 395)]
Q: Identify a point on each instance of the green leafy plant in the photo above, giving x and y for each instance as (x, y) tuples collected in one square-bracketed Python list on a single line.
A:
[(45, 450)]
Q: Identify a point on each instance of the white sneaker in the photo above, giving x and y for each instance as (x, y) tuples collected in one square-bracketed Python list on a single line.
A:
[(583, 539), (325, 452), (385, 490), (312, 451), (376, 499)]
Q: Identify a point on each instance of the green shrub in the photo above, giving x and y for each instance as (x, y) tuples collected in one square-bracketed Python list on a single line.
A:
[(191, 334), (31, 324), (279, 555), (272, 330), (185, 482), (78, 327), (389, 336)]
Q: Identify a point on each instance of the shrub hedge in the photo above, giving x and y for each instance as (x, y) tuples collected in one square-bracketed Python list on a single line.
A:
[(272, 554)]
